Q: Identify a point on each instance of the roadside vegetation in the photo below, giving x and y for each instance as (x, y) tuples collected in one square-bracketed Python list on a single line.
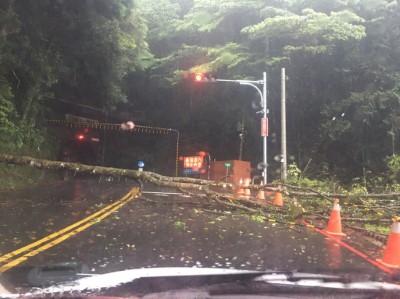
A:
[(342, 60)]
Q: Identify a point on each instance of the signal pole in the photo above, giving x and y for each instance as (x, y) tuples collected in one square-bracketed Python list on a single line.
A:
[(199, 77)]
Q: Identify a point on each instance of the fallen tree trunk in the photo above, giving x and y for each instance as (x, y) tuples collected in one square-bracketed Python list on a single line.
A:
[(156, 179), (290, 214), (179, 182), (150, 177)]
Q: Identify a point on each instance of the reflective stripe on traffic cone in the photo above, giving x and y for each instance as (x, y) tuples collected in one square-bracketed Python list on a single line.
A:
[(335, 224), (246, 189), (391, 257), (261, 193), (278, 201), (239, 190)]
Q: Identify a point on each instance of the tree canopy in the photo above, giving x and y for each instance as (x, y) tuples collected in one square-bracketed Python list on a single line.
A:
[(342, 59)]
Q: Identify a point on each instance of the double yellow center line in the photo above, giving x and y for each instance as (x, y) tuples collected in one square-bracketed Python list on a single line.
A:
[(20, 255)]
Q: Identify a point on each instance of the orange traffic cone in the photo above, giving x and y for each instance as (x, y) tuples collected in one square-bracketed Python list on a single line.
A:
[(239, 190), (278, 201), (391, 257), (335, 223), (246, 189), (261, 193)]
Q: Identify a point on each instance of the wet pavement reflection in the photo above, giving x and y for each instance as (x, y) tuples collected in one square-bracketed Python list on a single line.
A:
[(29, 214), (161, 229)]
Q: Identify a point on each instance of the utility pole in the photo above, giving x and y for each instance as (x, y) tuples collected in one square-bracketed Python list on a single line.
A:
[(283, 126), (265, 133)]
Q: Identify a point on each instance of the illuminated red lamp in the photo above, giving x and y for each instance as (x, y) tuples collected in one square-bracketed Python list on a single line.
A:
[(199, 77), (80, 137)]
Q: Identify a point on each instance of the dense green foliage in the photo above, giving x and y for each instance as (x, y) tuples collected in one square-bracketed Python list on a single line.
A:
[(342, 59), (79, 51)]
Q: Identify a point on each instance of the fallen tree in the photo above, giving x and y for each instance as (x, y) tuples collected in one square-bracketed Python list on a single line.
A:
[(300, 202)]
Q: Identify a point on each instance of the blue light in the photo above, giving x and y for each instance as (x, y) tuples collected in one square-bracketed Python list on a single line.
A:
[(140, 163)]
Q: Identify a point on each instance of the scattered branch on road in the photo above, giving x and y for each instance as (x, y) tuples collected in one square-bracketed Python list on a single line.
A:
[(304, 189), (372, 234), (373, 205)]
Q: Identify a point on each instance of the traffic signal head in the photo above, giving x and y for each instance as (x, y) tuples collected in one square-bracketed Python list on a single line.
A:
[(202, 77)]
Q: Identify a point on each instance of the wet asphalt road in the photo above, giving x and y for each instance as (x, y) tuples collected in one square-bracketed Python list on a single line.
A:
[(159, 229)]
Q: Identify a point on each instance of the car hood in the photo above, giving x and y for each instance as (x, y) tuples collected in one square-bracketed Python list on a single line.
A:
[(114, 279)]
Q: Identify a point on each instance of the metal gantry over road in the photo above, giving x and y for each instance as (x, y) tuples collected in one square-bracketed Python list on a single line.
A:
[(121, 127), (263, 96)]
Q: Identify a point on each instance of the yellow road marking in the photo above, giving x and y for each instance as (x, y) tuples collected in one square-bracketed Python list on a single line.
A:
[(52, 238), (56, 234)]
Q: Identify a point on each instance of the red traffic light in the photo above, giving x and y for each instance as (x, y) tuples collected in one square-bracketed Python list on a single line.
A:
[(80, 137), (198, 77)]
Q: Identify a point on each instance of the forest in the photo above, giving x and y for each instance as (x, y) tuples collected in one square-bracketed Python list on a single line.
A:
[(342, 61)]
